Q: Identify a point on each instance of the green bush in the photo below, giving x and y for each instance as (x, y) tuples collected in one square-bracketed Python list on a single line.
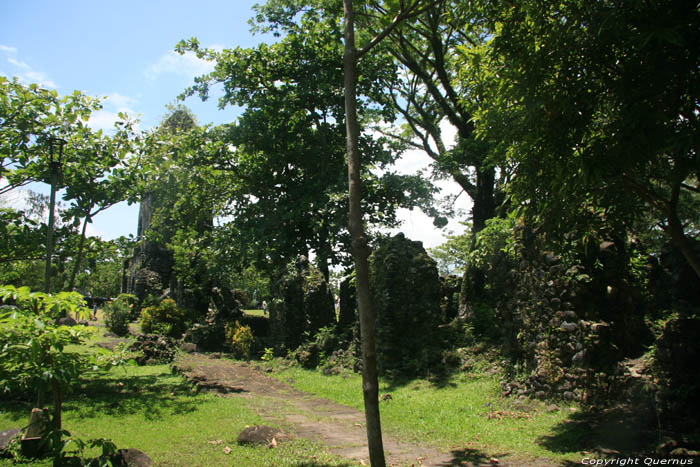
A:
[(166, 319), (132, 301), (240, 338), (118, 314)]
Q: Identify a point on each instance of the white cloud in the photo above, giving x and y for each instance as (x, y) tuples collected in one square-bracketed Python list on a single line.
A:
[(188, 65), (91, 231), (103, 120), (16, 199), (120, 103), (39, 78), (24, 71), (112, 104), (18, 64), (414, 223)]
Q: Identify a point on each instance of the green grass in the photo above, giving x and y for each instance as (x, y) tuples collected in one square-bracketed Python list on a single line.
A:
[(150, 409), (465, 413), (255, 313)]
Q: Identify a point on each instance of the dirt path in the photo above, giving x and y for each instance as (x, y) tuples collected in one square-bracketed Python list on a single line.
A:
[(341, 428)]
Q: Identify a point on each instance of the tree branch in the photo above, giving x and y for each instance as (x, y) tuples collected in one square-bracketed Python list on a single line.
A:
[(404, 13)]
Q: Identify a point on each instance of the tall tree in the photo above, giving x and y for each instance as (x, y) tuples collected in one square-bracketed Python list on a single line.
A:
[(310, 29), (30, 116), (428, 49), (360, 249), (599, 103), (287, 192), (105, 172)]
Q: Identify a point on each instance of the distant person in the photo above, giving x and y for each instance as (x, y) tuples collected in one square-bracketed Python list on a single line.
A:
[(94, 312), (264, 307)]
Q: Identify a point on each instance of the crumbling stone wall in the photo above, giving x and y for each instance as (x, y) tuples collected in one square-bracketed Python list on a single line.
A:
[(406, 294), (568, 326), (347, 313), (302, 304)]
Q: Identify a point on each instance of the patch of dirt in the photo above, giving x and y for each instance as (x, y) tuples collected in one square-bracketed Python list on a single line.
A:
[(341, 428)]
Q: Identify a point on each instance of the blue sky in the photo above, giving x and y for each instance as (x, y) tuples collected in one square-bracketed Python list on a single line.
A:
[(123, 52)]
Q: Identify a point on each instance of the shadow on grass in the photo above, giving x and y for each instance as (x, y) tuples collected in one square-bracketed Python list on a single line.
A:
[(437, 381), (321, 464), (149, 395), (468, 456), (614, 432)]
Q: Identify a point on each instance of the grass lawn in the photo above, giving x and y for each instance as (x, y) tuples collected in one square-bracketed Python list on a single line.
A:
[(150, 409), (255, 313), (465, 413)]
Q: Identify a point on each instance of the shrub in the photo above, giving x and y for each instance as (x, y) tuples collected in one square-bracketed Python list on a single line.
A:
[(268, 355), (240, 338), (118, 314), (166, 319), (326, 339), (132, 301)]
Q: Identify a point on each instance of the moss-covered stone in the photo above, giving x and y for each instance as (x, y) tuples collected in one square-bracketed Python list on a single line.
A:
[(302, 305), (347, 314), (406, 293)]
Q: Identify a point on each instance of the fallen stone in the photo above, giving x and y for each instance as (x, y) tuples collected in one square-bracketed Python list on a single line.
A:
[(131, 458), (188, 347), (7, 436), (67, 321), (111, 345), (259, 434)]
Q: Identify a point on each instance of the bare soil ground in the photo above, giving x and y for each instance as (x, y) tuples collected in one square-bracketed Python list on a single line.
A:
[(341, 428)]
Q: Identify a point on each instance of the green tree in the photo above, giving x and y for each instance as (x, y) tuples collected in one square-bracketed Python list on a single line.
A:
[(94, 168), (103, 177), (287, 195), (451, 256), (29, 117), (426, 49), (597, 103)]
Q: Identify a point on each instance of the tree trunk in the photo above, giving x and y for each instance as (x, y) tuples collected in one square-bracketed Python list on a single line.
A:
[(323, 255), (682, 242), (483, 209), (57, 404), (49, 234), (79, 258), (360, 249)]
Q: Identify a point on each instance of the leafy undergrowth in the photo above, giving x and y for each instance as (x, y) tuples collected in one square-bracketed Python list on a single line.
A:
[(150, 409), (463, 413)]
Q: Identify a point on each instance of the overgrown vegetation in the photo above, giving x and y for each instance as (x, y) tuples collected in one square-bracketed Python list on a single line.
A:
[(150, 409), (119, 313), (164, 318), (580, 259)]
